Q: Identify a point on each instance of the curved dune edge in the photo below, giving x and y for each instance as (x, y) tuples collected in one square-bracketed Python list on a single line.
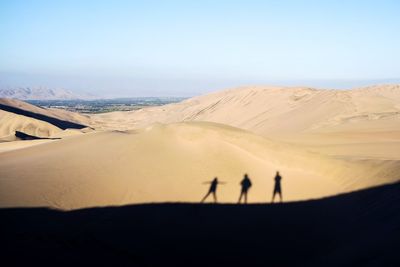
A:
[(10, 123), (169, 163), (358, 124), (19, 116), (269, 110)]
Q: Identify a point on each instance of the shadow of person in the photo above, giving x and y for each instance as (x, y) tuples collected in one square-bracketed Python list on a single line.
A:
[(246, 184), (277, 187), (213, 189)]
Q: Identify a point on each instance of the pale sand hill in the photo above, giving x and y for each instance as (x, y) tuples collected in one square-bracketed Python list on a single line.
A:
[(52, 112), (11, 143), (11, 122), (323, 141), (17, 144), (169, 163), (266, 110), (317, 119)]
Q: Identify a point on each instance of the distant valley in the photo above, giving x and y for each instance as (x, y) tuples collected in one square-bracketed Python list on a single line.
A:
[(106, 105)]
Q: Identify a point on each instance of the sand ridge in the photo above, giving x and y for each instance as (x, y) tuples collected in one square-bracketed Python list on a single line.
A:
[(17, 115), (324, 142)]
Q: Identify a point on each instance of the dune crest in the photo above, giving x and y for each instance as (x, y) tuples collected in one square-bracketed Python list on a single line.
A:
[(266, 110), (324, 121), (20, 116)]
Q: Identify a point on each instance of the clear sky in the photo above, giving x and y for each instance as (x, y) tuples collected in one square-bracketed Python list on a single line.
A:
[(138, 48)]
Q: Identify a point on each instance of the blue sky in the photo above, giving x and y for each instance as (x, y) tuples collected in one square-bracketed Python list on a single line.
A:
[(137, 48)]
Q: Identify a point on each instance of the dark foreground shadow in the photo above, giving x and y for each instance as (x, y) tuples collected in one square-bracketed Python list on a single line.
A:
[(24, 136), (356, 229)]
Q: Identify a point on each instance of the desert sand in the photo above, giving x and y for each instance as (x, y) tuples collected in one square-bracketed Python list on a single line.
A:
[(37, 126), (11, 122), (323, 142), (360, 123)]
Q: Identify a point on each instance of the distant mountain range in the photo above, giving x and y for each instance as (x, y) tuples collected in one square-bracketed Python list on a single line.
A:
[(41, 93)]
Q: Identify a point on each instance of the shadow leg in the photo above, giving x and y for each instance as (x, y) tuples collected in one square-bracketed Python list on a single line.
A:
[(240, 197), (205, 197)]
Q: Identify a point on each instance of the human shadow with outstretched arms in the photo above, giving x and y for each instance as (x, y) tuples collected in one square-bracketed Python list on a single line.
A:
[(213, 189)]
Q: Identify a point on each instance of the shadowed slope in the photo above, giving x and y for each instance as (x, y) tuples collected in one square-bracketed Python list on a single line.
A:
[(62, 124), (49, 112), (19, 116), (355, 229), (11, 122), (24, 136)]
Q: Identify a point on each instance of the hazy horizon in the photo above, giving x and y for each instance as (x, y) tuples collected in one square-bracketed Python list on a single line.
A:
[(169, 88), (175, 48)]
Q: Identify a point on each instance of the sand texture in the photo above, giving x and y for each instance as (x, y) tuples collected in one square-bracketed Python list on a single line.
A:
[(323, 142)]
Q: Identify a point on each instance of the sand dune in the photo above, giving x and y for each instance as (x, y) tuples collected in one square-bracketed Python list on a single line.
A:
[(169, 163), (266, 110), (10, 122), (16, 115), (323, 121), (323, 141), (52, 112)]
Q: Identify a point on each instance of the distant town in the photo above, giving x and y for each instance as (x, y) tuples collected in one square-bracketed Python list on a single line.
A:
[(105, 105)]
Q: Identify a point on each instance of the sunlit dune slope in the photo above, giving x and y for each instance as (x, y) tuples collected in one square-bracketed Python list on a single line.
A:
[(10, 122), (52, 112), (360, 123), (267, 110), (170, 163), (17, 115)]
